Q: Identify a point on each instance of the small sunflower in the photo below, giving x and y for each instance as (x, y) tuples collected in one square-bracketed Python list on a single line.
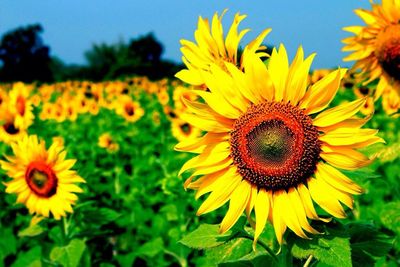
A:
[(213, 48), (376, 46), (21, 105), (271, 147), (391, 102), (129, 109), (106, 141), (182, 130), (42, 179), (10, 131)]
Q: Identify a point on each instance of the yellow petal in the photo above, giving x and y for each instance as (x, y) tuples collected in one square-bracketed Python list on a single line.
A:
[(344, 158), (322, 92), (337, 179), (237, 204), (322, 196), (261, 208), (287, 213), (219, 196), (339, 113)]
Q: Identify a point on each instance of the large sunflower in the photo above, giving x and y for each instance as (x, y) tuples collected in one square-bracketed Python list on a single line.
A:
[(42, 179), (376, 46), (270, 146), (213, 48)]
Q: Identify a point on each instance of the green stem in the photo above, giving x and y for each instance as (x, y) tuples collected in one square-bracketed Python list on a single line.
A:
[(66, 226), (261, 243), (308, 261)]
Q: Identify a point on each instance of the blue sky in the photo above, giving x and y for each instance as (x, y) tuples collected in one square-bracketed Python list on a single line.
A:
[(71, 27)]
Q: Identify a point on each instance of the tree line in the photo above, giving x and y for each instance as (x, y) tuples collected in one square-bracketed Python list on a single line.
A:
[(25, 57)]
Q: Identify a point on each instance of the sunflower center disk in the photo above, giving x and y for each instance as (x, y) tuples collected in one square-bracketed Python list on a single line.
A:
[(129, 110), (275, 146), (270, 142), (41, 179), (388, 50)]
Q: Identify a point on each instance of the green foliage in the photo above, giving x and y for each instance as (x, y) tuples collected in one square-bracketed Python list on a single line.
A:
[(69, 255), (134, 211)]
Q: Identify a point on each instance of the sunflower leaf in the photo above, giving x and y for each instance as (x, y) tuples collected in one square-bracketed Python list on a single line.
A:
[(32, 230), (208, 236), (331, 249), (69, 255), (31, 258), (367, 243), (390, 216)]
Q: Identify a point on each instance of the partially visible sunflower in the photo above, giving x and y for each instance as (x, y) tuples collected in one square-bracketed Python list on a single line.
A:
[(212, 47), (184, 131), (368, 108), (318, 74), (376, 46), (271, 147), (42, 179), (106, 141), (21, 105), (391, 102), (10, 131)]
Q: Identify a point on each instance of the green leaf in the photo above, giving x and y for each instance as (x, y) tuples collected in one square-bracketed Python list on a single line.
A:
[(330, 249), (31, 258), (32, 230), (100, 216), (151, 248), (8, 243), (230, 251), (208, 236), (390, 216), (367, 243), (70, 255)]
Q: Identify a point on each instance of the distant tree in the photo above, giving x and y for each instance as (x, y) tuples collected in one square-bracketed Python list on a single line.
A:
[(104, 60), (141, 56), (24, 57), (147, 49)]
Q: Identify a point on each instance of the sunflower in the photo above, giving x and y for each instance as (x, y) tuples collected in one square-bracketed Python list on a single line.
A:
[(368, 108), (391, 102), (106, 141), (182, 130), (42, 179), (129, 109), (271, 147), (10, 131), (20, 105), (376, 46), (213, 48)]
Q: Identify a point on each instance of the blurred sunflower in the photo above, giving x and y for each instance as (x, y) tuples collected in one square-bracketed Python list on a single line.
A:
[(391, 102), (106, 141), (182, 130), (368, 108), (213, 48), (271, 147), (42, 179), (9, 130), (130, 110), (20, 105), (376, 46)]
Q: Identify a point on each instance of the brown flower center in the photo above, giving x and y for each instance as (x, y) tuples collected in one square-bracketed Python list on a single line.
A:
[(10, 128), (21, 105), (275, 146), (186, 128), (388, 50), (129, 109), (41, 179)]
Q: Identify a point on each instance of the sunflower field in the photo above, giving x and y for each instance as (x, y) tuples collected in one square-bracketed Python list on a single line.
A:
[(245, 159)]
